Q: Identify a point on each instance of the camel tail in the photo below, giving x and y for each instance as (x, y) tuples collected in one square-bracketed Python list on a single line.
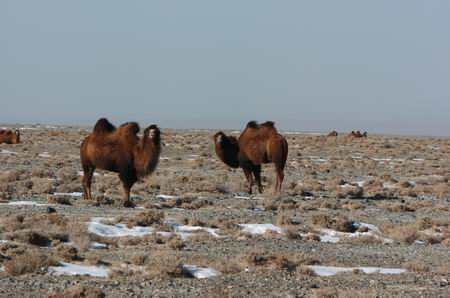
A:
[(103, 125)]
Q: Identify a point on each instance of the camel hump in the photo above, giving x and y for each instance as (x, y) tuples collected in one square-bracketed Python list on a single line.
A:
[(129, 128), (268, 123), (103, 125), (252, 124)]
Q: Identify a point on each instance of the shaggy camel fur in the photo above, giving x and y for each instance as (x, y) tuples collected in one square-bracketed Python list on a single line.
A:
[(258, 144), (9, 137), (120, 150)]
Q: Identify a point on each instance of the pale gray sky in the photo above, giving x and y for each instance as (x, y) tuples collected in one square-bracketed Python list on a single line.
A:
[(381, 66)]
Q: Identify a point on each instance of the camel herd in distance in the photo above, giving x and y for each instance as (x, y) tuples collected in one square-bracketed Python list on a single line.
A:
[(121, 150)]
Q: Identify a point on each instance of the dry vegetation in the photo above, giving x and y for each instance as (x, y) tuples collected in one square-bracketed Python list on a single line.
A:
[(399, 184)]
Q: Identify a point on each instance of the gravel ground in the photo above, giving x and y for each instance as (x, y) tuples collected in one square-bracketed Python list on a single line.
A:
[(399, 184)]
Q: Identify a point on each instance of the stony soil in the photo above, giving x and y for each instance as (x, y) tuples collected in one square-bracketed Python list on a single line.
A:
[(406, 193)]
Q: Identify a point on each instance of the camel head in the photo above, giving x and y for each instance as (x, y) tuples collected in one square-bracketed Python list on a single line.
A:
[(153, 133), (227, 149), (16, 138), (148, 151)]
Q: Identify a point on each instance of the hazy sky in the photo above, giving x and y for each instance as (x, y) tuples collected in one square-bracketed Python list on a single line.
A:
[(380, 66)]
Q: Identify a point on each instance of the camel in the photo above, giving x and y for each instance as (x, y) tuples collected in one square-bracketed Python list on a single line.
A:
[(358, 134), (257, 144), (9, 137), (120, 150), (333, 134)]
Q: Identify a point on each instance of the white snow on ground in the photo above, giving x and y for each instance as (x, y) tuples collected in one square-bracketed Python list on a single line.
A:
[(315, 158), (26, 203), (72, 194), (117, 230), (331, 270), (241, 197), (164, 158), (388, 185), (360, 183), (200, 272), (8, 152), (80, 173), (381, 159), (333, 236), (356, 157), (412, 183), (74, 269), (184, 231), (258, 229), (2, 269), (121, 230), (97, 245), (418, 159), (165, 197), (433, 147), (45, 154)]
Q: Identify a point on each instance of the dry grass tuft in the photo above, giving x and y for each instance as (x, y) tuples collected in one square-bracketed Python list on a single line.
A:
[(30, 262), (78, 291), (340, 224), (146, 218), (416, 266), (164, 264)]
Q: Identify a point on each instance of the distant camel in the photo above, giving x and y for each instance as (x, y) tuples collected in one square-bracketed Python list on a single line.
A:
[(333, 134), (358, 134), (258, 144), (9, 137), (120, 150)]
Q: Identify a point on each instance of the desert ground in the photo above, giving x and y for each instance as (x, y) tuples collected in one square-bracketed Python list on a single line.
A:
[(365, 217)]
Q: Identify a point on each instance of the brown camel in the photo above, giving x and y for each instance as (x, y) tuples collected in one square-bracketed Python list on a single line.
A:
[(120, 150), (356, 134), (333, 134), (9, 137), (258, 144)]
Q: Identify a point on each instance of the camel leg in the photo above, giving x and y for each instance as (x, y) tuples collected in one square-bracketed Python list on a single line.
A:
[(257, 173), (280, 177), (127, 183), (248, 175), (88, 172)]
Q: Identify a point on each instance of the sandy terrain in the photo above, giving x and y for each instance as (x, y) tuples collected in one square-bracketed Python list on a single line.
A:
[(379, 202)]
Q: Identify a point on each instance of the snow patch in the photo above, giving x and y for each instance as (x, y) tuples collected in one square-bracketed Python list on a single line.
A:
[(74, 269), (80, 173), (184, 231), (331, 270), (97, 245), (117, 230), (71, 194), (4, 151), (333, 236), (166, 197), (200, 272), (45, 154), (26, 203), (259, 229)]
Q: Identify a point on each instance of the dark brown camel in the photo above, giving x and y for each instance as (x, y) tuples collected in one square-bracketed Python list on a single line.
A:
[(356, 134), (258, 144), (9, 137), (120, 150)]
